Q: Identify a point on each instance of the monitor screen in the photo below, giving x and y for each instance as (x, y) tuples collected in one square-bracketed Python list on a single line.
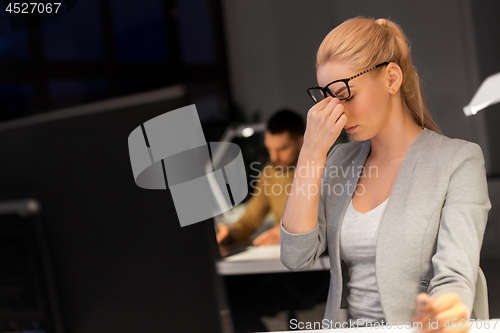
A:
[(119, 258)]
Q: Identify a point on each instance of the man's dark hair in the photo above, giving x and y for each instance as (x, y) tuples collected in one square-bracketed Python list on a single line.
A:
[(286, 120)]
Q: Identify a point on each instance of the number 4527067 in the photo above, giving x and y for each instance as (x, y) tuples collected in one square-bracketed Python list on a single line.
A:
[(473, 323), (33, 7)]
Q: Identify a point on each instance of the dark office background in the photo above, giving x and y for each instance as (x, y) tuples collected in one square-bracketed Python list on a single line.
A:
[(99, 49), (240, 61)]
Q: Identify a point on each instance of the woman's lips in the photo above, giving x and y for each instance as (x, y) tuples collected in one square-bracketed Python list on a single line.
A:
[(350, 129)]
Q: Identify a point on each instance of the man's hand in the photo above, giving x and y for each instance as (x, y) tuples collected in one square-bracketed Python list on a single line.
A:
[(446, 313), (270, 237), (223, 233)]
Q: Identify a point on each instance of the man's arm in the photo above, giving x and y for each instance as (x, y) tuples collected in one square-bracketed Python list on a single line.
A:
[(257, 209)]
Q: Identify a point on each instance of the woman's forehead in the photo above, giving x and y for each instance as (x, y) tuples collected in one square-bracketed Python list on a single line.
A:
[(333, 70)]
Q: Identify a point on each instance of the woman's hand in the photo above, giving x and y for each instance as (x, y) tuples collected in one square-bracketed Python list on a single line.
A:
[(325, 121), (446, 313)]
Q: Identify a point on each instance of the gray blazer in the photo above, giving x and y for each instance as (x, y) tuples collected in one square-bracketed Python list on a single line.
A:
[(430, 234)]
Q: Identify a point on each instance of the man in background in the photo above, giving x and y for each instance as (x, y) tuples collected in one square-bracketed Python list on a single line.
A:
[(262, 302), (283, 141)]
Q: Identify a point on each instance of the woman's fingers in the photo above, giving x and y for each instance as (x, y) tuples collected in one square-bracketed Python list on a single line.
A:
[(324, 125), (440, 304), (333, 109), (424, 307), (446, 301), (458, 312), (325, 107), (424, 302), (446, 310), (323, 103), (452, 320), (337, 118), (330, 107)]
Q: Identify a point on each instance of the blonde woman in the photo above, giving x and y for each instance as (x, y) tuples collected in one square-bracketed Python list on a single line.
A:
[(404, 206)]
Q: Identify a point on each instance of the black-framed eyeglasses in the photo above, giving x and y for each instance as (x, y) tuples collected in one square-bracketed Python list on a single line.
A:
[(338, 88)]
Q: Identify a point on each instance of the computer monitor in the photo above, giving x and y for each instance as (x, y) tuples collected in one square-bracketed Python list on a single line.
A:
[(120, 260)]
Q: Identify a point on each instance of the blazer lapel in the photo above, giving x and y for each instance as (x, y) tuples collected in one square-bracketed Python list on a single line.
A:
[(389, 239), (392, 241), (350, 168)]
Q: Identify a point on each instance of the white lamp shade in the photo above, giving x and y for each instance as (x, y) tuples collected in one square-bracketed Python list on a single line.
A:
[(487, 94)]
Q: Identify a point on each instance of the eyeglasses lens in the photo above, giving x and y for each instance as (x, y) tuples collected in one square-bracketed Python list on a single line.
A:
[(339, 90), (317, 95)]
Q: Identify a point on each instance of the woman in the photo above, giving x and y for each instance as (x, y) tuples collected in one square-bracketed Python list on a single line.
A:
[(404, 206)]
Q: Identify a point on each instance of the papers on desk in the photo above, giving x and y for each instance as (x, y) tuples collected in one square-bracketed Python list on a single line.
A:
[(270, 252), (261, 260)]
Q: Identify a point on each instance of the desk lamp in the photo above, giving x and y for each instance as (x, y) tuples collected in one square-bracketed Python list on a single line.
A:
[(487, 94), (244, 131), (241, 131)]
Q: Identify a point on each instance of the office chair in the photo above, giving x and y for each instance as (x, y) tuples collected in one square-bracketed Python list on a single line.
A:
[(480, 309)]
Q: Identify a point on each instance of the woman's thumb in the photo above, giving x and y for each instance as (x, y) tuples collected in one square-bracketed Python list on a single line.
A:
[(424, 302)]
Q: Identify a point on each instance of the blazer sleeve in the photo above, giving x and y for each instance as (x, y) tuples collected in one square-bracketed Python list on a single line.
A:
[(300, 251), (462, 225)]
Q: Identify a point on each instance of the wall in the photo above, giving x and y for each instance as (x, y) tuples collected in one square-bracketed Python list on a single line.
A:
[(272, 47)]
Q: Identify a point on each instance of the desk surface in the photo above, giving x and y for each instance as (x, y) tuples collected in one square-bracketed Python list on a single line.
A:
[(260, 260)]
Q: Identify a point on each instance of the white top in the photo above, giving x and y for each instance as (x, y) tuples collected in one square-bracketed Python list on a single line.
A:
[(358, 240)]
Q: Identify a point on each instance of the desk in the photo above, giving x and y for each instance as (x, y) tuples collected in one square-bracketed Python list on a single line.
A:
[(261, 260), (259, 287)]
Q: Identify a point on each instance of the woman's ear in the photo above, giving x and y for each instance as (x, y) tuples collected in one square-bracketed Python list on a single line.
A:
[(394, 77)]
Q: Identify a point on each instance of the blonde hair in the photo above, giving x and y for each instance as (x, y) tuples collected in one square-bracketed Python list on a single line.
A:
[(364, 43)]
